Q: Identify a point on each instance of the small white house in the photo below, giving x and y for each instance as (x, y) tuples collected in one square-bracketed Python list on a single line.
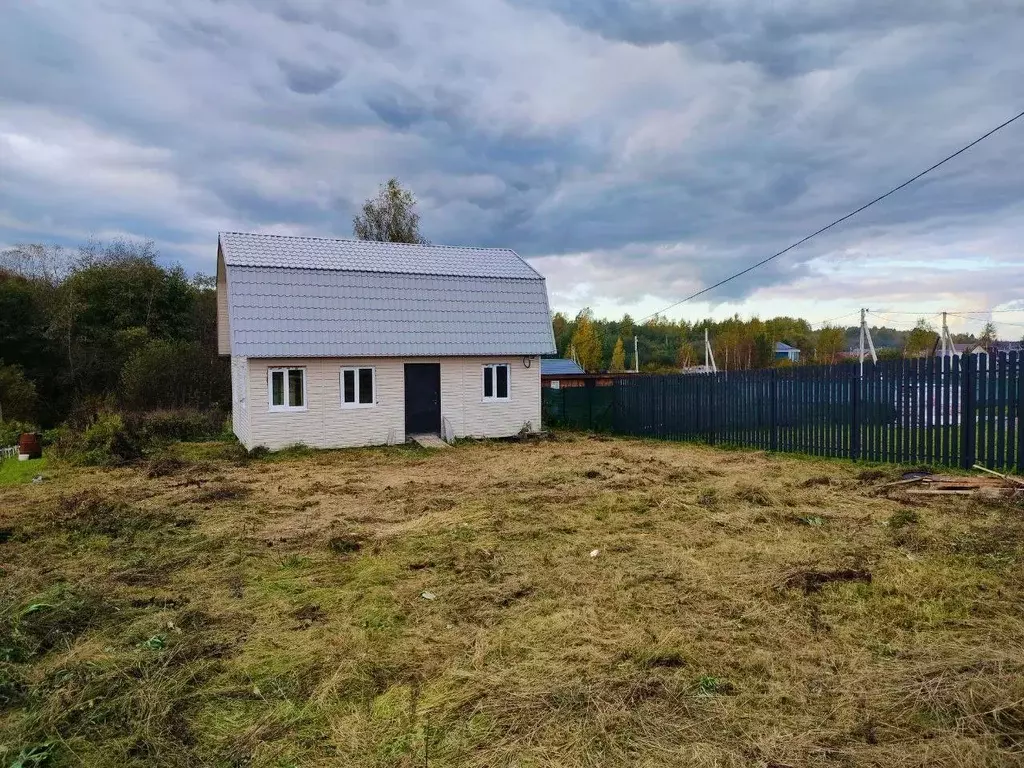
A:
[(338, 343), (785, 352)]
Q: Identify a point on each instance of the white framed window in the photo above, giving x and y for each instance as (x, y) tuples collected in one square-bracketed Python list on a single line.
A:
[(496, 385), (286, 388), (358, 387)]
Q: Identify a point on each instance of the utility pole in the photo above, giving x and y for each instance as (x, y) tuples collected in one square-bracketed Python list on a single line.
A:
[(863, 322), (636, 355), (709, 354), (865, 333), (947, 340)]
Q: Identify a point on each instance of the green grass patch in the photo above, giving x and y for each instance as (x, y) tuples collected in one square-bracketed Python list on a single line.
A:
[(14, 472)]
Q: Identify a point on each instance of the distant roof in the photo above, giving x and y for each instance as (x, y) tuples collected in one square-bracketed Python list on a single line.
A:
[(783, 347), (1008, 346), (313, 297), (557, 366), (254, 250)]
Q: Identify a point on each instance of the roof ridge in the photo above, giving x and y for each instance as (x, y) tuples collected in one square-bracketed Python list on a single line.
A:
[(382, 242), (387, 272)]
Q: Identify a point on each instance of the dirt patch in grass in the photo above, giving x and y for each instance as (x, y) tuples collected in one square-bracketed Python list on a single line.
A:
[(813, 581), (574, 603)]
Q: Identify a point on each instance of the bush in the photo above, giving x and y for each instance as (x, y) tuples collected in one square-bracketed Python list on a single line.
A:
[(107, 441), (184, 424), (17, 393), (10, 431), (174, 374), (113, 438)]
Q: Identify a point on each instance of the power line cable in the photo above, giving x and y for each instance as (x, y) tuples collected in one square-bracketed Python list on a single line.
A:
[(840, 317), (850, 215), (978, 320), (951, 311)]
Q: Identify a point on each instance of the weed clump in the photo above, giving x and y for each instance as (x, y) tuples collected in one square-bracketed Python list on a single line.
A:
[(91, 513), (162, 466), (871, 475), (708, 685), (708, 498), (221, 492), (902, 518), (51, 619), (343, 545), (756, 495)]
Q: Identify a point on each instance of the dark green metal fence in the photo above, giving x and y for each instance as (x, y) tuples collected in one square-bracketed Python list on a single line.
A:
[(943, 411)]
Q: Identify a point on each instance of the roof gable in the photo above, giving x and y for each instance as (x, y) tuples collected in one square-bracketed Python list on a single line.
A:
[(279, 251)]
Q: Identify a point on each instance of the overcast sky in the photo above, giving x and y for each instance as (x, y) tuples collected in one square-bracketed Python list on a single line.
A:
[(633, 151)]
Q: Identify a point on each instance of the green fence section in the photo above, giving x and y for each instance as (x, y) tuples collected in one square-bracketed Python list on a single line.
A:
[(943, 411), (588, 408)]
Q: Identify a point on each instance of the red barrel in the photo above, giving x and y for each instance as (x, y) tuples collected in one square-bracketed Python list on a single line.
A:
[(29, 445)]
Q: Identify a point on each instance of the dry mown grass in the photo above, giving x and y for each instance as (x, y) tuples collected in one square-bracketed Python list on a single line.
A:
[(741, 610)]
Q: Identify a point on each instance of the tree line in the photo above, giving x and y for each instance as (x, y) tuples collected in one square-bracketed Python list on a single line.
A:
[(670, 345), (102, 326)]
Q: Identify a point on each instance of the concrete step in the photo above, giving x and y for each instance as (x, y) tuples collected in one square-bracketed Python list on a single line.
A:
[(429, 441)]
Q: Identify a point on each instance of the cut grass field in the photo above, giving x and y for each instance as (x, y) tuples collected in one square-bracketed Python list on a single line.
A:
[(580, 602)]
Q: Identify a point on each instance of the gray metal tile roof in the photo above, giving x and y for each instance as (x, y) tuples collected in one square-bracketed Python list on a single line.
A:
[(254, 250), (385, 309), (558, 366)]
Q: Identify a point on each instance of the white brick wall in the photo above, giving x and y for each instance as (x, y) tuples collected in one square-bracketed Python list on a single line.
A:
[(325, 424), (240, 406)]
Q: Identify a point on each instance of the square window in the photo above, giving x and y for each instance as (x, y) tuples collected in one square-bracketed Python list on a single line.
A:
[(496, 382), (358, 387), (287, 389)]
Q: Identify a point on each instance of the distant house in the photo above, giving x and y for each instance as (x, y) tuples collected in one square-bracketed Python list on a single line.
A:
[(560, 373), (345, 343), (785, 352), (1006, 346), (556, 370), (970, 348)]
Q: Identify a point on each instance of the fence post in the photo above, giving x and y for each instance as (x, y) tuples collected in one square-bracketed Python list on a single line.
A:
[(968, 419), (855, 381), (615, 406), (590, 404), (712, 407), (1019, 367), (773, 412)]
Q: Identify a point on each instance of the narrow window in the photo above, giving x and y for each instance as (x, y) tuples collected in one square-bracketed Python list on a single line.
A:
[(366, 386), (277, 388), (358, 387), (496, 382), (502, 373), (296, 388), (348, 378)]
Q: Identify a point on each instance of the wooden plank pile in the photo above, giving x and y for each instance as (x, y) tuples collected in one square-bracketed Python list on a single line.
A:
[(926, 484)]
